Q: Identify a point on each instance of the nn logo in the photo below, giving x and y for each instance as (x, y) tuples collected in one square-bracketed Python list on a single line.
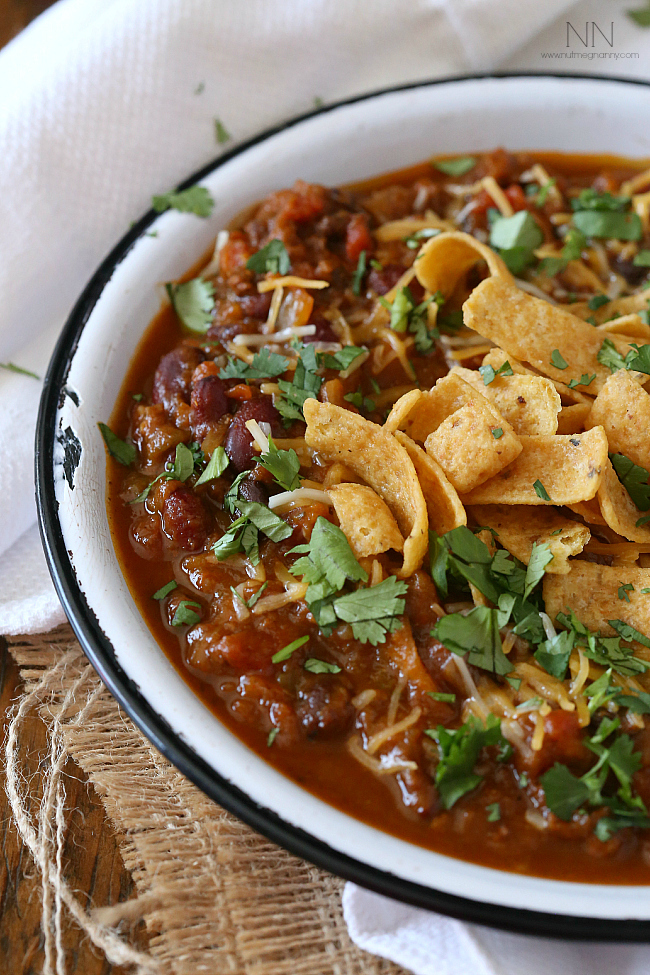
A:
[(590, 38)]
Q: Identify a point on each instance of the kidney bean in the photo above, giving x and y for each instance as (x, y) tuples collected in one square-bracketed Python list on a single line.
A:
[(185, 522), (239, 443), (251, 489), (324, 707), (171, 383), (256, 306), (209, 403), (324, 331), (382, 281)]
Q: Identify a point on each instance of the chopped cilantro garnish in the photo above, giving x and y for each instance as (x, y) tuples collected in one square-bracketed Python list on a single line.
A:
[(284, 465), (272, 735), (544, 191), (634, 479), (413, 241), (215, 468), (628, 633), (455, 167), (459, 750), (514, 682), (516, 238), (493, 812), (221, 133), (138, 397), (165, 590), (243, 534), (490, 374), (181, 468), (286, 652), (12, 367), (405, 315), (558, 360), (373, 612), (341, 359), (540, 557), (624, 590), (541, 491), (305, 385), (597, 301), (476, 634), (360, 401), (315, 666), (265, 365), (585, 380), (359, 273), (608, 224), (376, 265), (553, 654), (271, 259), (642, 259), (608, 651), (196, 200), (121, 450), (327, 563), (185, 614), (497, 432), (193, 302), (637, 359), (442, 697)]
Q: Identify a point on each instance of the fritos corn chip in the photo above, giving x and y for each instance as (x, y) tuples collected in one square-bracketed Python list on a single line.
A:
[(518, 527), (365, 520)]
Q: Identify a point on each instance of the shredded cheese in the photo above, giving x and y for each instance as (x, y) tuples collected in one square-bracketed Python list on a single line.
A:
[(274, 311), (290, 281), (399, 347), (376, 741), (491, 186), (297, 498), (258, 435), (286, 335)]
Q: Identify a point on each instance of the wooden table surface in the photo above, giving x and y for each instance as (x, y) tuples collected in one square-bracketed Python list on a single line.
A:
[(93, 863)]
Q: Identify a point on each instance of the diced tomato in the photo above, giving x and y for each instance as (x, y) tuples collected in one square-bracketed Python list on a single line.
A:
[(241, 392), (235, 252), (304, 202), (358, 238), (517, 197)]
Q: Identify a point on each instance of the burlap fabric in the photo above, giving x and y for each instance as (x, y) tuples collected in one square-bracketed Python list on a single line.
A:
[(215, 896)]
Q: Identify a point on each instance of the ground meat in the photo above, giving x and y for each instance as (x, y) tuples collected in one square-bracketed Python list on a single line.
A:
[(239, 442), (154, 435), (184, 519), (172, 379)]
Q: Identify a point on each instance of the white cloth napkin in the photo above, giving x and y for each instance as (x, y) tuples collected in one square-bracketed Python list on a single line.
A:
[(106, 102)]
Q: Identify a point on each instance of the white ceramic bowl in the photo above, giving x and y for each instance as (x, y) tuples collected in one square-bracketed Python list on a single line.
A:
[(336, 145)]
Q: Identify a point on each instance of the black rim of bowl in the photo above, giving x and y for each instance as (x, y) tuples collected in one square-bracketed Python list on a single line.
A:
[(101, 654)]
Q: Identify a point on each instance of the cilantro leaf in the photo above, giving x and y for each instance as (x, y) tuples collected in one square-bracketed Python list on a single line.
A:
[(558, 360), (642, 259), (516, 238), (608, 224), (634, 479), (541, 491), (265, 365), (597, 301), (564, 792), (215, 467), (265, 520), (185, 614), (341, 359), (459, 750), (590, 199), (640, 360), (553, 654), (585, 380), (165, 590), (272, 735), (413, 241), (360, 401), (540, 557), (123, 451), (284, 465), (193, 302), (359, 273), (286, 652), (305, 385), (442, 697), (497, 432), (628, 633), (405, 315), (624, 589), (273, 258), (221, 133), (373, 612), (438, 563), (329, 559), (315, 666), (180, 469), (455, 167), (196, 200), (490, 374), (476, 634)]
